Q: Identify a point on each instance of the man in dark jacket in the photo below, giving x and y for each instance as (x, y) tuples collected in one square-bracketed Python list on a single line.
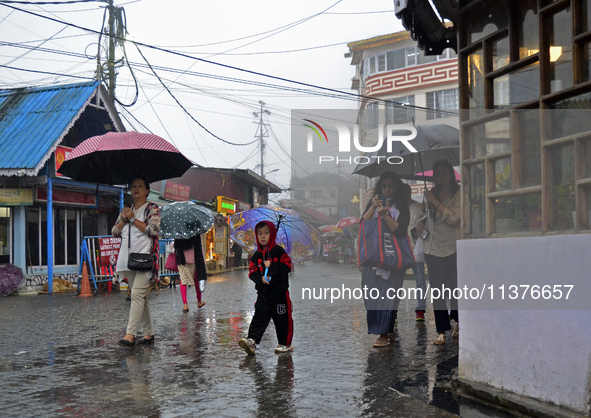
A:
[(269, 270)]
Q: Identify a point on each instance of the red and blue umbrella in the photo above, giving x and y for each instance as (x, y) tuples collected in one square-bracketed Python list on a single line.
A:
[(298, 238), (346, 222)]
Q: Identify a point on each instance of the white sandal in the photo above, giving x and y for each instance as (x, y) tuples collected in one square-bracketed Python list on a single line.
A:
[(440, 340)]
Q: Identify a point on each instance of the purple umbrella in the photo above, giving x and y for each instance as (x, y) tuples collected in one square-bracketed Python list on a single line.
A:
[(297, 237), (10, 278)]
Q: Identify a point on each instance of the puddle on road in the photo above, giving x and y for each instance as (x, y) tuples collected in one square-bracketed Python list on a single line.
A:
[(432, 386)]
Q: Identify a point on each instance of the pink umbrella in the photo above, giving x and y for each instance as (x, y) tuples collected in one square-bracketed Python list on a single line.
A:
[(430, 174), (119, 157), (326, 228), (346, 222)]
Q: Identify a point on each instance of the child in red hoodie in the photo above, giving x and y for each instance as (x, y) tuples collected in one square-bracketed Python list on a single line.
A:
[(273, 301)]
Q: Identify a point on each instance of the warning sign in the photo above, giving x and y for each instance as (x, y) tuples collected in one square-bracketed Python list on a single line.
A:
[(109, 251)]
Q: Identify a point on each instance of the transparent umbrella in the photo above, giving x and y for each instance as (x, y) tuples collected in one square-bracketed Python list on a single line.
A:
[(184, 220)]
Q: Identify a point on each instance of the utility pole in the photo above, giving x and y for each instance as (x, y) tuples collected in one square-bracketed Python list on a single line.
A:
[(111, 60), (261, 133)]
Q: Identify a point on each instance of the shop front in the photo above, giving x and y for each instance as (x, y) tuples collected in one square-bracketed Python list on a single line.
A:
[(219, 254), (76, 211)]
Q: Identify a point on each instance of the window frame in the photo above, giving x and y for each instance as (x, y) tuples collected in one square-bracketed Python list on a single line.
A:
[(547, 97)]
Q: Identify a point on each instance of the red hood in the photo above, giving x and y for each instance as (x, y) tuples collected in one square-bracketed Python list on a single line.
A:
[(272, 236)]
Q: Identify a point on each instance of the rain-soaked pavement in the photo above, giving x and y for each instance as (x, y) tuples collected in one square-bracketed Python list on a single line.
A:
[(60, 357)]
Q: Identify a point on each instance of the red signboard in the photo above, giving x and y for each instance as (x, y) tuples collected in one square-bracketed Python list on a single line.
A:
[(175, 191), (109, 251), (66, 196), (61, 153)]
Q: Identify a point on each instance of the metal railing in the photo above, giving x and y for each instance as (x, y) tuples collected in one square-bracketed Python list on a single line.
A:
[(103, 273)]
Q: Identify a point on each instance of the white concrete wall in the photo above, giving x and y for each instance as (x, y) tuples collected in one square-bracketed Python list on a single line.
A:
[(543, 354)]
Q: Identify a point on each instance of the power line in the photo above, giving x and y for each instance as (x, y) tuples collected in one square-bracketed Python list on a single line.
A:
[(287, 26), (353, 96), (185, 110), (284, 29), (360, 13), (35, 3), (46, 72)]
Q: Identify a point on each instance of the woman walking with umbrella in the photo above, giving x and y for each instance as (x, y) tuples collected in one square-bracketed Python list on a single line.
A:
[(443, 226), (138, 226), (191, 264), (185, 222), (389, 203)]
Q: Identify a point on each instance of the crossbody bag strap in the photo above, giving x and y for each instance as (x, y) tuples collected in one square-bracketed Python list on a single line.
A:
[(129, 235)]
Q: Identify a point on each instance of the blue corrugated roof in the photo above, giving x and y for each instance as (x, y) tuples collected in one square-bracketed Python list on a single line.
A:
[(32, 120)]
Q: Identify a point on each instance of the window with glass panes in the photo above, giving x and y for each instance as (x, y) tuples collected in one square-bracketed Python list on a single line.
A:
[(526, 130), (401, 58), (371, 116), (400, 110), (65, 236), (443, 103)]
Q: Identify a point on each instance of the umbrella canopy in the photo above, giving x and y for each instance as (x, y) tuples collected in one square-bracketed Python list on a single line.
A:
[(184, 220), (346, 222), (297, 237), (10, 278), (326, 228), (336, 232), (433, 142), (429, 176), (118, 157)]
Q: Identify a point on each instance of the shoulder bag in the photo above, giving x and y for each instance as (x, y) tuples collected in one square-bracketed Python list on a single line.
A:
[(379, 247), (139, 261)]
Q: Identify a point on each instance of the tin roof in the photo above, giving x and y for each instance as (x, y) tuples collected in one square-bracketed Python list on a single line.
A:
[(33, 122)]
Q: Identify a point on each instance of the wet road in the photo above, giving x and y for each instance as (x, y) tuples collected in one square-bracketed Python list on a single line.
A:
[(60, 357)]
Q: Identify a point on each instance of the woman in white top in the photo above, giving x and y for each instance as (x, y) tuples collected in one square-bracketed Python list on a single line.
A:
[(443, 226), (139, 226)]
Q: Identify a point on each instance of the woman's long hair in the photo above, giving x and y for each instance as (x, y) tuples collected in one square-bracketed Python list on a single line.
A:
[(399, 195), (454, 186)]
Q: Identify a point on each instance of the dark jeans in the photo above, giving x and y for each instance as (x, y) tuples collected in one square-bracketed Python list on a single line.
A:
[(443, 274)]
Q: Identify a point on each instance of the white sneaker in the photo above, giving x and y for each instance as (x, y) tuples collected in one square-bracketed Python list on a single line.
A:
[(248, 346), (283, 349)]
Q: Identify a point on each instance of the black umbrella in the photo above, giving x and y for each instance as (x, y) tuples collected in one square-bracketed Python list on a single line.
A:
[(433, 142), (10, 278), (119, 157), (184, 220)]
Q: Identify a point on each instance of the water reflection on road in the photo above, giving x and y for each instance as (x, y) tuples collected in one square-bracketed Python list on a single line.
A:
[(72, 366)]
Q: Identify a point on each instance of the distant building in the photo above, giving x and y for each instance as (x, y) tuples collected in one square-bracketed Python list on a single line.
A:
[(402, 86), (328, 194)]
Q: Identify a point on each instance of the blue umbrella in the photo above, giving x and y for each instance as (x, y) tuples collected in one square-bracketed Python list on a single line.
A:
[(298, 238)]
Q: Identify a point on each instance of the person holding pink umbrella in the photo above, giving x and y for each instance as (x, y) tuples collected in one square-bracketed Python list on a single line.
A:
[(138, 226)]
